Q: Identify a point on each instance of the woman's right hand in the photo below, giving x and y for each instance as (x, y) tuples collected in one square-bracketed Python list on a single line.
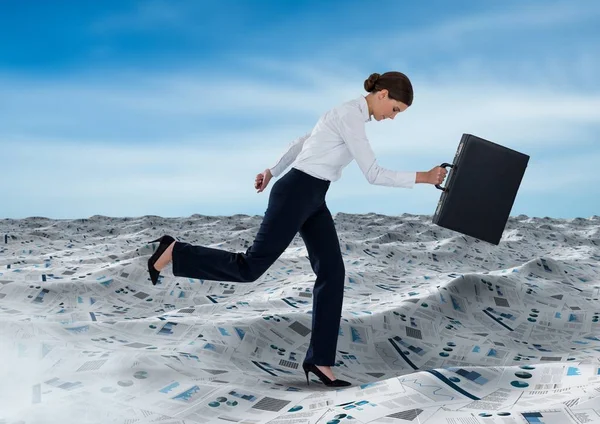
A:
[(436, 175), (262, 180)]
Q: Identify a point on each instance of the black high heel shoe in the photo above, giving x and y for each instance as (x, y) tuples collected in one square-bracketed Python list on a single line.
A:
[(324, 379), (165, 241)]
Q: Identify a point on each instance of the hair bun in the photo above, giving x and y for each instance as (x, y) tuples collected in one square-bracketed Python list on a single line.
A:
[(371, 81), (396, 83)]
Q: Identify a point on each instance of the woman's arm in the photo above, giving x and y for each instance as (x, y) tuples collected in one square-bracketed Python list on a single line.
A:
[(352, 130), (422, 178), (288, 157)]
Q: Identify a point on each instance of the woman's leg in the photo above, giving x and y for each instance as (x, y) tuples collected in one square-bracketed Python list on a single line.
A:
[(287, 210), (320, 237)]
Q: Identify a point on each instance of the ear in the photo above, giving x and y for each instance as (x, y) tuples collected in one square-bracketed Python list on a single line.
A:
[(383, 94)]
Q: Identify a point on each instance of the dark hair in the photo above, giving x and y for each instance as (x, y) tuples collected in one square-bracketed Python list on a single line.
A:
[(396, 83)]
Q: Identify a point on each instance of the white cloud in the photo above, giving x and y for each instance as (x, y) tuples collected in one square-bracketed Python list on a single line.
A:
[(438, 110), (180, 170)]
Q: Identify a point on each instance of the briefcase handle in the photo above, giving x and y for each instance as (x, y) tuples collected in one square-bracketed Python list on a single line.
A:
[(443, 165)]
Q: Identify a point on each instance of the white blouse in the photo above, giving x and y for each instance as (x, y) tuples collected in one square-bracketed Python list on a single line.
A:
[(338, 137)]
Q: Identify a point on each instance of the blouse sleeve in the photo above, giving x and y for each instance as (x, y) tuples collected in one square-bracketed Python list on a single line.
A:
[(288, 157), (352, 130)]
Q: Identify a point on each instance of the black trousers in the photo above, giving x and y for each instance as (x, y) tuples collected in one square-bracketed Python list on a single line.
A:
[(296, 204)]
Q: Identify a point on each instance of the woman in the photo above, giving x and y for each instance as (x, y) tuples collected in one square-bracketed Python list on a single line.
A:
[(297, 204)]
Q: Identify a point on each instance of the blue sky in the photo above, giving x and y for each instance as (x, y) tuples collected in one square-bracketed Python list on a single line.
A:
[(171, 108)]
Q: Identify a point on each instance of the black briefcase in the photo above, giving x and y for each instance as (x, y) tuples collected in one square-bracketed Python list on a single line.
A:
[(481, 188)]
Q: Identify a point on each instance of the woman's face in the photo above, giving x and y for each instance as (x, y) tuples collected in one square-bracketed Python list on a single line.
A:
[(384, 107)]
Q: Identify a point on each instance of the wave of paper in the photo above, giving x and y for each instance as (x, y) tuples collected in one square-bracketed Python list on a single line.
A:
[(437, 327)]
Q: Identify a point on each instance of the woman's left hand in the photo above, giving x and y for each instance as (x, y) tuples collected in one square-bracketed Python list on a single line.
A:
[(262, 180)]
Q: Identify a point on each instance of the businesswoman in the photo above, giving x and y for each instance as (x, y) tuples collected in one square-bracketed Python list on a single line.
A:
[(297, 204)]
